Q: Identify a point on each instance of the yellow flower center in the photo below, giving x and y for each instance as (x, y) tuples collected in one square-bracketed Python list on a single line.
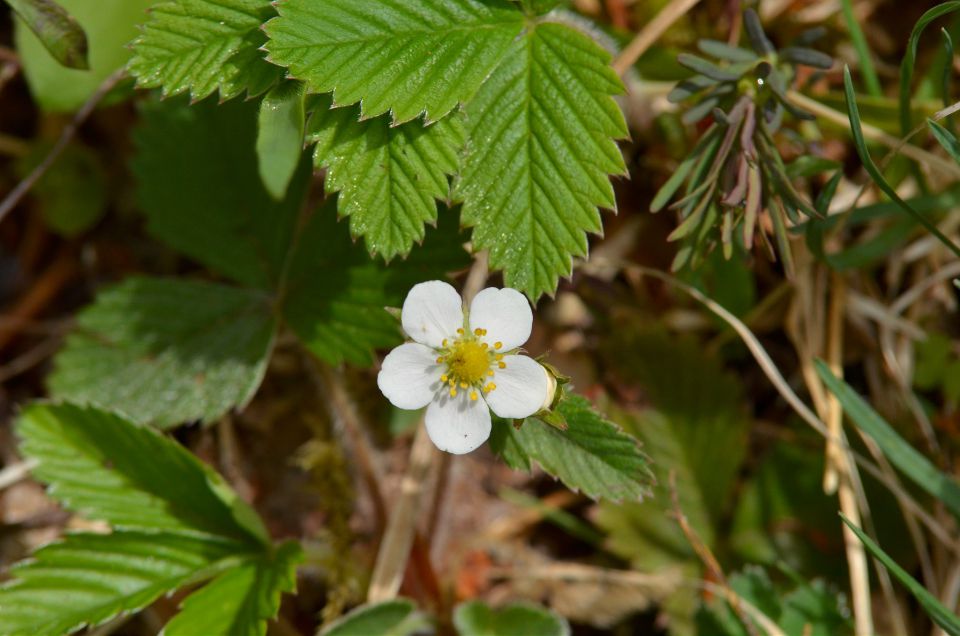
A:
[(470, 363), (467, 361)]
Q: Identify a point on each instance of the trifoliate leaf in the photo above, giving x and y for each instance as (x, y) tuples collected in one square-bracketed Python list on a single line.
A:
[(107, 468), (280, 136), (173, 522), (200, 46), (477, 619), (407, 57), (540, 152), (336, 296), (593, 455), (388, 177), (109, 25), (241, 600), (88, 578), (167, 351), (200, 187), (398, 617)]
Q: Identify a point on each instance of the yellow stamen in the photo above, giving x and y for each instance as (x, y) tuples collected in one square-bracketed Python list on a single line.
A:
[(478, 331), (460, 330), (473, 396), (502, 365), (440, 359), (499, 356), (490, 373), (444, 343), (497, 345), (443, 378), (453, 393), (490, 387), (485, 345), (463, 385), (452, 382)]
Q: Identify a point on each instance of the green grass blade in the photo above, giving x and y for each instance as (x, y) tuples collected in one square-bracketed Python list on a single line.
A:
[(940, 614), (854, 114), (863, 50), (910, 58), (946, 139), (914, 465)]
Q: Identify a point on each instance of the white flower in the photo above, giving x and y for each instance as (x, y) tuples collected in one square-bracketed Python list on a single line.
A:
[(464, 365)]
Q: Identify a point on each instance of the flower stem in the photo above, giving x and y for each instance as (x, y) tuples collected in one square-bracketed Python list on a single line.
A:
[(395, 548)]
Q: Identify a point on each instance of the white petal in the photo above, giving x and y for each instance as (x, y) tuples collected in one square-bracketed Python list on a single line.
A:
[(410, 376), (505, 314), (457, 425), (521, 388), (432, 311)]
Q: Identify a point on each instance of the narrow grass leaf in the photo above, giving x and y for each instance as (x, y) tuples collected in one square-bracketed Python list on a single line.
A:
[(934, 608), (855, 128), (914, 465)]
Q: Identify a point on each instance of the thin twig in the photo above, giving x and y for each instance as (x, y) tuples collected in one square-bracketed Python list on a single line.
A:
[(43, 291), (69, 131), (29, 359), (706, 556), (764, 621), (651, 33)]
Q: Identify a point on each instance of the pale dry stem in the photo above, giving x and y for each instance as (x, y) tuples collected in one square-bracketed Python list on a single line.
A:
[(651, 33)]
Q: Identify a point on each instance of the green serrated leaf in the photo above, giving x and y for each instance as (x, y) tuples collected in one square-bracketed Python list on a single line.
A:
[(57, 30), (200, 188), (478, 619), (390, 618), (539, 155), (409, 58), (280, 129), (241, 600), (592, 456), (695, 434), (109, 26), (85, 579), (336, 296), (107, 468), (388, 177), (202, 46), (167, 351)]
